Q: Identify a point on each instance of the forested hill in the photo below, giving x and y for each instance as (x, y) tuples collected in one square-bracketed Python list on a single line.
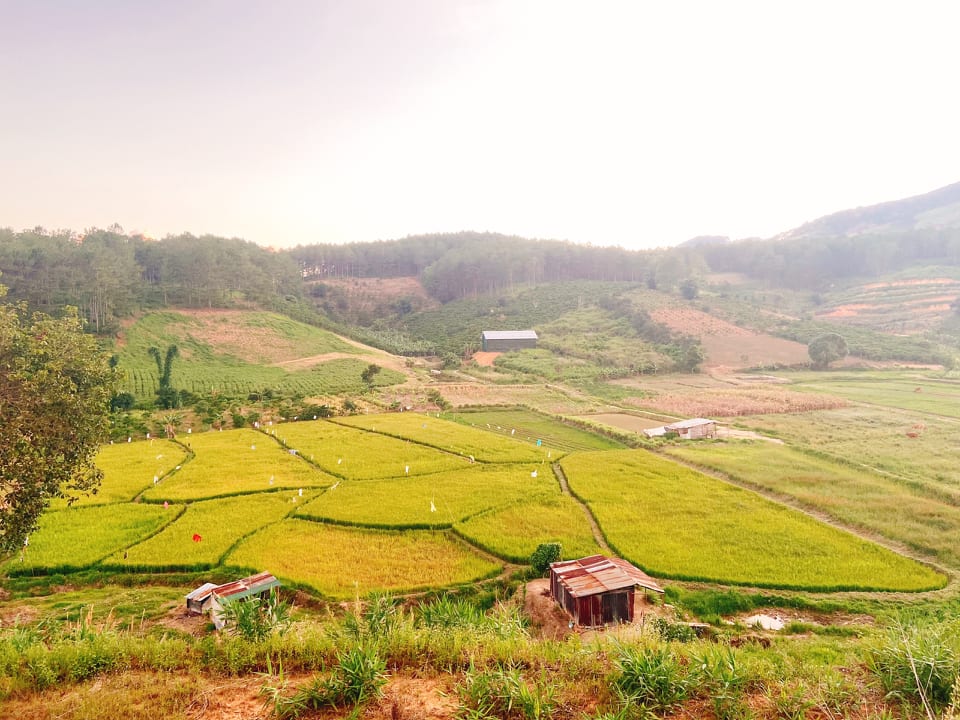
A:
[(938, 209), (109, 275)]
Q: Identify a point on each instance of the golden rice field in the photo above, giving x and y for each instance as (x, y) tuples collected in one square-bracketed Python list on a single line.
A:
[(350, 562), (233, 463), (431, 501), (220, 524), (676, 522), (453, 437), (361, 455), (129, 469)]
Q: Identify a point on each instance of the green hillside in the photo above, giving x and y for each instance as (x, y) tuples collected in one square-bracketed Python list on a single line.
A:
[(240, 352)]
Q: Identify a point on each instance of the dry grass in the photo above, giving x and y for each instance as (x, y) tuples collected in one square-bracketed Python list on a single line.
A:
[(740, 401)]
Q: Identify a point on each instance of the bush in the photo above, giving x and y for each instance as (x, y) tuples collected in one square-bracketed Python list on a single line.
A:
[(256, 619), (545, 554)]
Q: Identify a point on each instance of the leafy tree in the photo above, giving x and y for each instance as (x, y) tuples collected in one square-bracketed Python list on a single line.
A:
[(545, 554), (55, 390), (689, 289), (827, 348), (370, 373)]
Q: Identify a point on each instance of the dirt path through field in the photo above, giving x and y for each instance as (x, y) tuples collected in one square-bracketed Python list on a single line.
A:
[(594, 527)]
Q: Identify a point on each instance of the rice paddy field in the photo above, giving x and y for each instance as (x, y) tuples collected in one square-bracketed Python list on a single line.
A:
[(129, 469), (358, 454), (347, 563), (453, 437), (80, 537), (204, 533), (513, 532), (233, 463), (876, 503), (527, 425), (676, 522), (431, 501), (394, 502)]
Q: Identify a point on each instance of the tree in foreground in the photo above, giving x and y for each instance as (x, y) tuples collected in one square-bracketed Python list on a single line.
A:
[(827, 348), (55, 390)]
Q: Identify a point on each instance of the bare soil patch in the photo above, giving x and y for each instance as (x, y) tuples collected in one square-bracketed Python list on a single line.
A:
[(729, 345), (743, 400), (485, 359), (625, 421)]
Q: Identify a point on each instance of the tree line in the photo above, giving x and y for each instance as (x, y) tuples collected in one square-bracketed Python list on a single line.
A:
[(109, 275)]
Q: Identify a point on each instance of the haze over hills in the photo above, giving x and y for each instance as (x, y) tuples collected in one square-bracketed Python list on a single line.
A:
[(935, 209)]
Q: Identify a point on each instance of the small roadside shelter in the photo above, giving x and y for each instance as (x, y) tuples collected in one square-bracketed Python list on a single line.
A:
[(598, 590)]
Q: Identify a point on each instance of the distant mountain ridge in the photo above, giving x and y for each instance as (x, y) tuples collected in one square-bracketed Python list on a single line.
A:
[(936, 209)]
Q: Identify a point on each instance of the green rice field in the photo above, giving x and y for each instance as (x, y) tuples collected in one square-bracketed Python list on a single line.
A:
[(529, 426), (857, 497), (431, 501), (129, 469), (515, 531), (453, 437), (676, 522), (361, 455), (347, 563), (234, 463), (79, 537)]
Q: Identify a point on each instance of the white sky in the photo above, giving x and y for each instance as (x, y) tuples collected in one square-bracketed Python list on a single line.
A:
[(633, 123)]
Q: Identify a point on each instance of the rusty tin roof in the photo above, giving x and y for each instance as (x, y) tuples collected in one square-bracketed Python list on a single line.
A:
[(244, 587), (597, 574)]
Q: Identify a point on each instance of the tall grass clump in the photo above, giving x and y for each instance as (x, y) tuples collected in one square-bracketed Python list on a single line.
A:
[(650, 678), (502, 692), (920, 664)]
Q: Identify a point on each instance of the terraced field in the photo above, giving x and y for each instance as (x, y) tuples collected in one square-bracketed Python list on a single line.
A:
[(403, 507)]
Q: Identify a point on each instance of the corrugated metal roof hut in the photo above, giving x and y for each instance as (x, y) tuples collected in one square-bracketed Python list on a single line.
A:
[(198, 601), (255, 585), (504, 340), (686, 429), (598, 590)]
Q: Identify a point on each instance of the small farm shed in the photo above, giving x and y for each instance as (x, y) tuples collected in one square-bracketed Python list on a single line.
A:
[(686, 429), (211, 598), (199, 600), (598, 590), (504, 340)]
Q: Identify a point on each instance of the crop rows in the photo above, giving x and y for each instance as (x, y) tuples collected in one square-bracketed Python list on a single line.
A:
[(526, 425)]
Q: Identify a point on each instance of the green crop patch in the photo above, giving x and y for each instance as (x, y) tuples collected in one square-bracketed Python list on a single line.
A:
[(233, 463), (530, 426), (452, 437), (344, 563), (361, 455), (80, 537), (676, 522), (874, 502), (431, 501), (240, 352), (205, 532), (514, 532), (129, 469)]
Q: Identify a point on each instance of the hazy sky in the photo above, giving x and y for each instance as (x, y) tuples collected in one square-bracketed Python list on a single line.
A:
[(634, 123)]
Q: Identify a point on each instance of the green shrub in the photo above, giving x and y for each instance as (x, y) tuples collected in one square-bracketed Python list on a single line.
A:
[(650, 678), (545, 554)]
